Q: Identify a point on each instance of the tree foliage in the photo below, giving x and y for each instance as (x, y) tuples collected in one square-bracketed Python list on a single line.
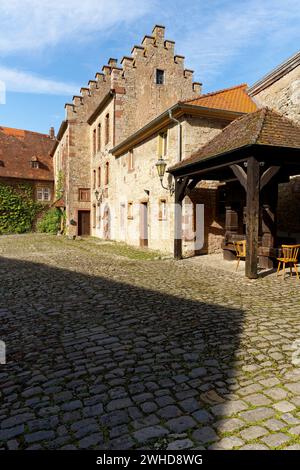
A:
[(50, 222)]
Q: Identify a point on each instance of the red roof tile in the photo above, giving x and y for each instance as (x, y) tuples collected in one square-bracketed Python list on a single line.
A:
[(231, 99), (18, 148)]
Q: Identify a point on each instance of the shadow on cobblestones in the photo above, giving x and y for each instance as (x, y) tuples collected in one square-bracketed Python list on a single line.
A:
[(93, 363)]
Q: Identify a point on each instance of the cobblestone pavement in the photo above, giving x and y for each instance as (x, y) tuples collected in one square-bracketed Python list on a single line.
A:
[(109, 352)]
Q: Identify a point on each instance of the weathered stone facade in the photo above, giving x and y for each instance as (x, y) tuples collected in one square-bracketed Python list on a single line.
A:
[(129, 95), (280, 90)]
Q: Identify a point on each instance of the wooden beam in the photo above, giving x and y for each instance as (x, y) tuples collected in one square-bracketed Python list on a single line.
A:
[(240, 174), (268, 175), (180, 187), (252, 222)]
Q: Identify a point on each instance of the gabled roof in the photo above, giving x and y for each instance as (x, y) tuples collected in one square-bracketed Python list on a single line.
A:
[(263, 127), (235, 98), (20, 147)]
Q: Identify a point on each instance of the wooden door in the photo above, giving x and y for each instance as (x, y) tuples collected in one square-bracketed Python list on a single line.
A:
[(84, 223), (144, 224)]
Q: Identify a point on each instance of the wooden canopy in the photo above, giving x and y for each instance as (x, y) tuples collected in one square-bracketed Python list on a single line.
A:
[(257, 149)]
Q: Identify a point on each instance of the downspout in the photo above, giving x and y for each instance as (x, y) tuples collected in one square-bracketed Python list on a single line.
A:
[(179, 140)]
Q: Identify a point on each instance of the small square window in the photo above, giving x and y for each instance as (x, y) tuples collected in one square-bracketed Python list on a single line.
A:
[(162, 209), (130, 161), (160, 77)]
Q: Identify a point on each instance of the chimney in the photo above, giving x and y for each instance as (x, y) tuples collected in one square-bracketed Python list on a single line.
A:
[(52, 133)]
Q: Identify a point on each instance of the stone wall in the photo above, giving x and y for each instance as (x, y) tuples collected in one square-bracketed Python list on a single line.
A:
[(288, 218), (283, 95), (35, 184), (141, 185)]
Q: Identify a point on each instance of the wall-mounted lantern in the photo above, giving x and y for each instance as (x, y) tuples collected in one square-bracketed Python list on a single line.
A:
[(161, 166)]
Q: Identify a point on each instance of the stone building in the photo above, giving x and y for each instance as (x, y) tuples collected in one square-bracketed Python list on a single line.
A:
[(119, 126), (280, 90), (118, 102), (25, 158)]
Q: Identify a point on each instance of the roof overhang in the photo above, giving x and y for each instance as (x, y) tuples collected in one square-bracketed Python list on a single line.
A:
[(163, 120), (211, 165)]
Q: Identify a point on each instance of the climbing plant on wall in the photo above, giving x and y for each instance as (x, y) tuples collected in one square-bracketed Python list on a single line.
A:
[(18, 209), (59, 185)]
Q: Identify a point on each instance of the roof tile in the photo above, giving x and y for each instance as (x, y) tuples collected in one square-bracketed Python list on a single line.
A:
[(231, 99), (18, 148), (263, 127)]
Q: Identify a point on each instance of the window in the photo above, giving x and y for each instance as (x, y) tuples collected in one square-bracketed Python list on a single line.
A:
[(129, 210), (107, 129), (99, 176), (43, 194), (162, 215), (106, 181), (130, 160), (94, 141), (34, 164), (84, 195), (94, 179), (160, 77), (163, 144), (99, 138)]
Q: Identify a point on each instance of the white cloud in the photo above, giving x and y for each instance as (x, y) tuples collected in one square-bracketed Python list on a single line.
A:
[(218, 37), (35, 24), (25, 82)]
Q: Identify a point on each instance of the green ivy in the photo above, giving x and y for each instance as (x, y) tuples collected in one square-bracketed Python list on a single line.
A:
[(50, 223), (59, 185), (18, 209)]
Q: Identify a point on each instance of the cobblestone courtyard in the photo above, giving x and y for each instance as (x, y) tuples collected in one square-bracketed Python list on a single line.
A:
[(108, 348)]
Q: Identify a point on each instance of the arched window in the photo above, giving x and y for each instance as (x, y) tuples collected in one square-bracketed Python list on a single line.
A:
[(99, 176), (106, 173), (107, 130), (94, 179), (99, 138), (94, 141)]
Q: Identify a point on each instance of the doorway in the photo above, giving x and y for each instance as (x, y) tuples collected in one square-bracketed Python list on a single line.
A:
[(84, 223), (144, 224)]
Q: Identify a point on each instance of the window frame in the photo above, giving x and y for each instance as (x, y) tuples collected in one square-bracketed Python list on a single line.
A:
[(162, 214), (160, 77), (107, 129), (82, 191), (130, 160)]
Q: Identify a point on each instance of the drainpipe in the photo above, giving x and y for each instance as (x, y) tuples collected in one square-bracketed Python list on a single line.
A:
[(179, 153)]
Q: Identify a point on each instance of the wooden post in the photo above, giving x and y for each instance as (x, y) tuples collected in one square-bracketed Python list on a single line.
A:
[(180, 186), (252, 215), (177, 223), (269, 225)]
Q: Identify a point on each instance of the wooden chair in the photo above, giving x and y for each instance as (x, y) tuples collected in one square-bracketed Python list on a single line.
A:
[(240, 250), (290, 255)]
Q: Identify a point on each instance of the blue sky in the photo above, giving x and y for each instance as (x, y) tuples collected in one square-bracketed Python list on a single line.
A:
[(49, 49)]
